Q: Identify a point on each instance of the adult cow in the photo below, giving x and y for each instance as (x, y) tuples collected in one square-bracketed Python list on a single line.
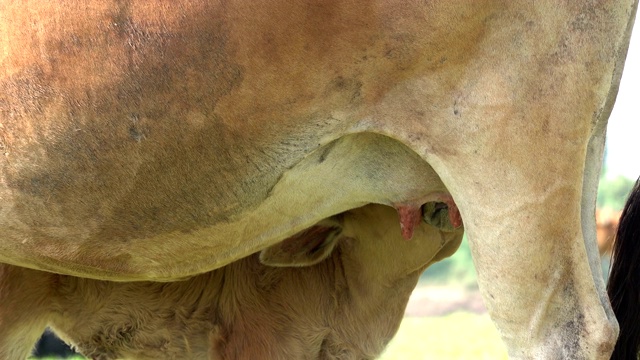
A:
[(151, 140)]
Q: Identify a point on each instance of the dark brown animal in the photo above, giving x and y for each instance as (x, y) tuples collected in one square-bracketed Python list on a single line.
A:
[(624, 279)]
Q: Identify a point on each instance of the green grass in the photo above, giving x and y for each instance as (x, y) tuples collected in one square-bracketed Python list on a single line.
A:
[(456, 336)]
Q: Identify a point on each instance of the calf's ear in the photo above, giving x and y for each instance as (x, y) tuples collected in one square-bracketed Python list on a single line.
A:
[(305, 248)]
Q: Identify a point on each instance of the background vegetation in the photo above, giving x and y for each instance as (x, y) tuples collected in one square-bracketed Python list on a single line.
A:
[(463, 336), (613, 192)]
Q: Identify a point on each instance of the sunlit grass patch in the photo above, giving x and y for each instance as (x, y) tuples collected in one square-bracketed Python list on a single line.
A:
[(456, 336)]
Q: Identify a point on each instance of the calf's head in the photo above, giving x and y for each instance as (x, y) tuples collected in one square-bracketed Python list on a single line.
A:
[(378, 265)]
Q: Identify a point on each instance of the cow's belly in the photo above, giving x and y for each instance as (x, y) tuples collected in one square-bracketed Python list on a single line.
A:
[(167, 225), (155, 144)]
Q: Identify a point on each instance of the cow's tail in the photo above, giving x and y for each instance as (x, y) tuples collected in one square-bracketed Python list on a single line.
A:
[(624, 279)]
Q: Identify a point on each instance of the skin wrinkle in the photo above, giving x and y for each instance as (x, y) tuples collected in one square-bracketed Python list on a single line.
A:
[(537, 318)]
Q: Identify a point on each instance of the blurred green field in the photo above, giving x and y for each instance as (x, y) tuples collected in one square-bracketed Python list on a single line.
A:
[(456, 336)]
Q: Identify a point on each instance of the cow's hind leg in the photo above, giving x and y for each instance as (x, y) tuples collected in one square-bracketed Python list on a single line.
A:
[(527, 242), (520, 186), (24, 304)]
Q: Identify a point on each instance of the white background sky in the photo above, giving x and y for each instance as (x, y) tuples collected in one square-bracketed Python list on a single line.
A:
[(623, 133)]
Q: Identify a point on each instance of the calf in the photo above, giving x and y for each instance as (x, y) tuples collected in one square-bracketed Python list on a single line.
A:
[(337, 290)]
